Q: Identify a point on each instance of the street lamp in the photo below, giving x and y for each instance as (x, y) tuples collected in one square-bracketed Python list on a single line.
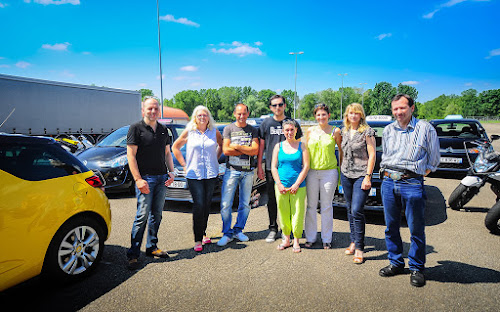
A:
[(159, 53), (362, 93), (295, 96), (342, 93)]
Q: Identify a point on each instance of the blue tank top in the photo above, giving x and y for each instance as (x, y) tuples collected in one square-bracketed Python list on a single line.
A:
[(290, 166)]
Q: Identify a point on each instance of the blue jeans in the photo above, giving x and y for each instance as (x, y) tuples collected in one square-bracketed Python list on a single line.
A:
[(202, 192), (355, 199), (408, 194), (244, 181), (149, 210)]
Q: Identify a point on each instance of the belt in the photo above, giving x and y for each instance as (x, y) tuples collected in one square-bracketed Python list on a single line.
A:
[(396, 175)]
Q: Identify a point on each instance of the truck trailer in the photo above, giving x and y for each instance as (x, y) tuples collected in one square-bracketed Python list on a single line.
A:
[(64, 110)]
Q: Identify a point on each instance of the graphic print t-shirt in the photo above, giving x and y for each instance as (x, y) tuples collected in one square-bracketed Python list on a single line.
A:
[(241, 136)]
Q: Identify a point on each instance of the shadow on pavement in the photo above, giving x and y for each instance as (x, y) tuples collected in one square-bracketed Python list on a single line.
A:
[(435, 206), (463, 273)]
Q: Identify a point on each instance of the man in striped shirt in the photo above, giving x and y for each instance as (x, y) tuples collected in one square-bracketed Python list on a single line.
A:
[(410, 152)]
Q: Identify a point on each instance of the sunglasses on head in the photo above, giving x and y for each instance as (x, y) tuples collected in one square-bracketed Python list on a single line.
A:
[(320, 105), (279, 104)]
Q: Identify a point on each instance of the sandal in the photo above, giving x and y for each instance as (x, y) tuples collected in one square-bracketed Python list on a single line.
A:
[(198, 247), (327, 245), (283, 246), (358, 260), (206, 240), (296, 249), (309, 244), (350, 250)]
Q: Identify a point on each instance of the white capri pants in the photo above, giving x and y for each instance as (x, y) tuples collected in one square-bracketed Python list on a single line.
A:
[(321, 186)]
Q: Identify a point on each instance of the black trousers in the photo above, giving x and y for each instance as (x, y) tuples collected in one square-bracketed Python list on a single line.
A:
[(202, 192), (272, 208)]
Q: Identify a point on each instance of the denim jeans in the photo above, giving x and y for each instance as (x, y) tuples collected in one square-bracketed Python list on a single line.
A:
[(202, 192), (272, 207), (149, 210), (244, 181), (355, 199), (408, 194)]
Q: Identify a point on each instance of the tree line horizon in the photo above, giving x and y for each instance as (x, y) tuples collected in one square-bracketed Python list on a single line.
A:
[(375, 101)]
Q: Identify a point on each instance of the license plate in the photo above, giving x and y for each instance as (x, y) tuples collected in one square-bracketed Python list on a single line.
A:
[(373, 191), (178, 184), (450, 160)]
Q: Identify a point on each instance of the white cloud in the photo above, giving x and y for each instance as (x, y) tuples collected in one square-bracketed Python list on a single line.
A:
[(240, 49), (258, 43), (4, 66), (468, 84), (23, 64), (189, 68), (57, 46), (181, 20), (86, 53), (383, 36), (56, 2), (195, 84), (493, 53), (410, 82), (448, 4)]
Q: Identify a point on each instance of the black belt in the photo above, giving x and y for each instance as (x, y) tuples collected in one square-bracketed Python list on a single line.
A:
[(398, 175)]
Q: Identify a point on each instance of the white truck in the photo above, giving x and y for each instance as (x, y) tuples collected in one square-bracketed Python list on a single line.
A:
[(64, 110)]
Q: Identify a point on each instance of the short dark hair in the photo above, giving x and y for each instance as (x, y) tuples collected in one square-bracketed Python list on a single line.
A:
[(277, 96), (321, 106), (241, 104), (397, 97)]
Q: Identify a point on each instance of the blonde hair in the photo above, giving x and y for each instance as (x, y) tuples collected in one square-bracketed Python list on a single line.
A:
[(358, 109), (193, 123)]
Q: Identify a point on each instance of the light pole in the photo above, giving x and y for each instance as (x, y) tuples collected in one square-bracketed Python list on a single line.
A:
[(342, 93), (295, 94), (362, 93), (159, 53)]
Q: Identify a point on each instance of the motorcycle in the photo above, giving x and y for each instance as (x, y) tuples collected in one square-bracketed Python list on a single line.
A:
[(492, 218), (485, 169)]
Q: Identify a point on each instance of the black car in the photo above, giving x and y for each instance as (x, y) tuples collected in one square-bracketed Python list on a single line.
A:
[(374, 200), (109, 156), (452, 134), (179, 191)]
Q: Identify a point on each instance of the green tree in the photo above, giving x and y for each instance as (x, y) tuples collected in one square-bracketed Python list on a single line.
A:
[(256, 107), (264, 95), (187, 100), (229, 97), (332, 99), (381, 96), (289, 95), (490, 102), (145, 92), (307, 106)]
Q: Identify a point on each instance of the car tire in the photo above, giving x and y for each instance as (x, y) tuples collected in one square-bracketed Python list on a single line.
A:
[(492, 218), (461, 196), (75, 250)]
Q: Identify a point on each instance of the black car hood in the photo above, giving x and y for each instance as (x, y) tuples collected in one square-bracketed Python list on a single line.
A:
[(454, 143), (101, 153)]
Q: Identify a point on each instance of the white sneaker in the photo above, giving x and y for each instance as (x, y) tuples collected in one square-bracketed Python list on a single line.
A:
[(242, 237), (271, 237), (224, 240)]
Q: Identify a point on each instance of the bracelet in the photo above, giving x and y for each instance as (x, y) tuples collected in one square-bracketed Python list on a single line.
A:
[(368, 174)]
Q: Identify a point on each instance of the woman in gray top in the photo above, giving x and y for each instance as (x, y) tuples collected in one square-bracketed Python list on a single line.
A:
[(358, 161)]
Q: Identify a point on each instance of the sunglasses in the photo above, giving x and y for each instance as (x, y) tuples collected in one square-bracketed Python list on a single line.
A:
[(279, 104), (320, 105)]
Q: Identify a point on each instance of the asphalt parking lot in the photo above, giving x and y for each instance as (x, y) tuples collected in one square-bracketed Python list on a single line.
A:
[(463, 270)]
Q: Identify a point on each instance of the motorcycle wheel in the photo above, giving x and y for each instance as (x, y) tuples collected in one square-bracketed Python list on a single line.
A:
[(492, 218), (461, 196)]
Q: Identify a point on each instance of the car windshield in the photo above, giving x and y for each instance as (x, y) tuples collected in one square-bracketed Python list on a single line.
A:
[(117, 138), (457, 129)]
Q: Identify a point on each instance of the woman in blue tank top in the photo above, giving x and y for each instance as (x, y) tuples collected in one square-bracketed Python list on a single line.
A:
[(289, 166)]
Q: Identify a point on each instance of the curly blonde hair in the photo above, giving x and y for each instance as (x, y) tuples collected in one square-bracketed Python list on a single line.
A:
[(358, 109)]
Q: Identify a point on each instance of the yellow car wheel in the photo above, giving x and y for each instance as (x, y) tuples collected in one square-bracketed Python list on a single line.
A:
[(75, 250)]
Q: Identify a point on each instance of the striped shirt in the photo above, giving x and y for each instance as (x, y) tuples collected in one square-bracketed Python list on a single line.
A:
[(415, 148)]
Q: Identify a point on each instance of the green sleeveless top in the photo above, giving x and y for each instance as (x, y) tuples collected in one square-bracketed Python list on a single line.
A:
[(321, 147)]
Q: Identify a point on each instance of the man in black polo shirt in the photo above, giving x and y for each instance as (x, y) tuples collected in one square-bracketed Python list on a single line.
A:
[(148, 154)]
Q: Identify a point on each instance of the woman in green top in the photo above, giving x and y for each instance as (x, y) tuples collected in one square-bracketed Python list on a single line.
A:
[(323, 176)]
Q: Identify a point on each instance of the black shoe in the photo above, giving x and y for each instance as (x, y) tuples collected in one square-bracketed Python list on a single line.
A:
[(391, 270), (417, 279), (157, 253), (133, 264)]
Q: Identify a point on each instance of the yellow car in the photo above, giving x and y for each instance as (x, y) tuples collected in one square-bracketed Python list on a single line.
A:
[(54, 216)]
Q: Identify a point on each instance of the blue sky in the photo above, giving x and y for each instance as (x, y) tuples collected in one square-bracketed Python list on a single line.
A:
[(440, 47)]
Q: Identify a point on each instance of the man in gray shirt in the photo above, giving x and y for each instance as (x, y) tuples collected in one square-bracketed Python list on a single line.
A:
[(241, 145)]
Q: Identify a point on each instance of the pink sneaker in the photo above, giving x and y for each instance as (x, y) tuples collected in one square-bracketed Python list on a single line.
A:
[(198, 247), (206, 240)]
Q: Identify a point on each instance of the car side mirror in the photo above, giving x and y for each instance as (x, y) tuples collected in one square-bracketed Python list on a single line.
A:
[(495, 137)]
